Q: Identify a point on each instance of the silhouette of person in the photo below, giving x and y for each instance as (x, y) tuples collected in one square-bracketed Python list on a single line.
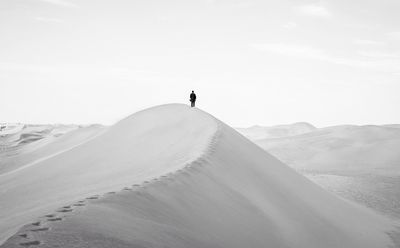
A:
[(192, 99)]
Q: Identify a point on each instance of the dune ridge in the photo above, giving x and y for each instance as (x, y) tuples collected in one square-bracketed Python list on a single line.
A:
[(233, 194), (125, 153), (30, 235)]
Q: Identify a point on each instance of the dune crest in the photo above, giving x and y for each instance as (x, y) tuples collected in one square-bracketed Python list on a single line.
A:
[(221, 191)]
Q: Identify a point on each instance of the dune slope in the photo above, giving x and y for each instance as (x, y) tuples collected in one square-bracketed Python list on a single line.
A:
[(190, 181), (15, 137), (142, 146), (279, 131), (14, 158), (351, 149)]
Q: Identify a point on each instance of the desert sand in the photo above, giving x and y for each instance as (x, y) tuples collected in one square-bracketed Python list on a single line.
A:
[(30, 144), (174, 176), (341, 149), (278, 131), (356, 162)]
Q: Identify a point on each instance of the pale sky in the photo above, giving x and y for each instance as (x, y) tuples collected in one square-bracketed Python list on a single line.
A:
[(249, 61)]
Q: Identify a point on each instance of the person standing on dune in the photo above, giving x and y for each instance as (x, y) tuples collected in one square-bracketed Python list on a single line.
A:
[(192, 99)]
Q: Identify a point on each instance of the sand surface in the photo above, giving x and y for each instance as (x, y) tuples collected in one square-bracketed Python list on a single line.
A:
[(279, 131), (341, 149), (22, 150), (172, 176)]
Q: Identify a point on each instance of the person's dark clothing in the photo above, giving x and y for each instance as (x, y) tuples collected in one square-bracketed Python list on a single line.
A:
[(192, 99)]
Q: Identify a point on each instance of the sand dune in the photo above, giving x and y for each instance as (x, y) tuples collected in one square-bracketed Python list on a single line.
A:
[(9, 129), (48, 144), (392, 125), (19, 135), (136, 149), (261, 132), (347, 148), (172, 176)]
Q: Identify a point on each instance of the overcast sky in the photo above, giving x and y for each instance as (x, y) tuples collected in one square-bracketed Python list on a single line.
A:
[(249, 61)]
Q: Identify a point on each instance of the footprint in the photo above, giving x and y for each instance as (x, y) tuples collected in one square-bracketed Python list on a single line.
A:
[(36, 223), (30, 243), (126, 188), (40, 229), (55, 219), (64, 210), (146, 182), (136, 185), (67, 207), (111, 192), (50, 215), (82, 201), (23, 235), (93, 198), (79, 204)]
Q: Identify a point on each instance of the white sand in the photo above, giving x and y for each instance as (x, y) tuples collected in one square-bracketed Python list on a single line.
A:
[(49, 141), (202, 185), (351, 149), (261, 132), (10, 129), (22, 134)]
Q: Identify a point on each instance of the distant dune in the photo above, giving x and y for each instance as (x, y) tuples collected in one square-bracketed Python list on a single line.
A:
[(174, 176), (35, 143), (346, 148), (392, 125), (260, 132), (19, 134)]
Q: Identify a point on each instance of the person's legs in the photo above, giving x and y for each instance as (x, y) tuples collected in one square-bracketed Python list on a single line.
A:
[(192, 104)]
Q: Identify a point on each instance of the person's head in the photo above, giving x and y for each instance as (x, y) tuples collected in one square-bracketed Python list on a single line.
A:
[(192, 91)]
